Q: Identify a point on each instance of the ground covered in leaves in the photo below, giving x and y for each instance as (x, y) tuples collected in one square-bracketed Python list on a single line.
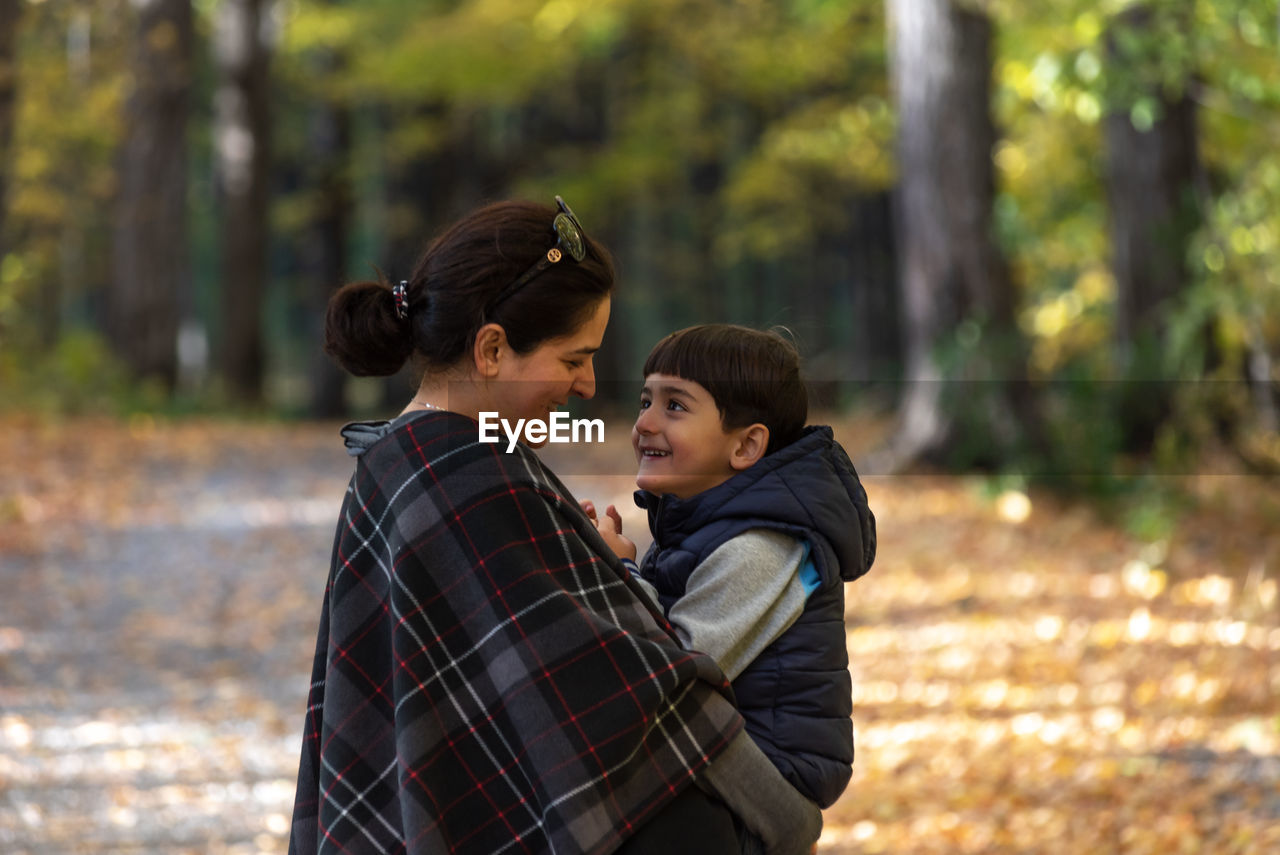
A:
[(1031, 674)]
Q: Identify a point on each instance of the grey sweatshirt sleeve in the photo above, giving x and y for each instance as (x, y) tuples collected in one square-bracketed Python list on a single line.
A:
[(736, 602), (774, 811), (741, 598)]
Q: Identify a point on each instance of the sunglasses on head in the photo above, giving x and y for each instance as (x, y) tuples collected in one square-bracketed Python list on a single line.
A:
[(569, 241)]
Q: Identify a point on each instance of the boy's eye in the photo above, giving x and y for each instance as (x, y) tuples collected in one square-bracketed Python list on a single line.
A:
[(675, 405), (644, 403), (574, 363)]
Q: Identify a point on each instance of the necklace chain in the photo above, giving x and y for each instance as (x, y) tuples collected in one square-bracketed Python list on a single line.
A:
[(426, 405)]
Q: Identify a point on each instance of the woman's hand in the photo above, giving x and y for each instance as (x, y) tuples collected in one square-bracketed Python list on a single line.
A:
[(610, 528)]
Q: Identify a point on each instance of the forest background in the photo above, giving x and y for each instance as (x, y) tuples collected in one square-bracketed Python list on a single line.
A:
[(1046, 235), (1029, 251)]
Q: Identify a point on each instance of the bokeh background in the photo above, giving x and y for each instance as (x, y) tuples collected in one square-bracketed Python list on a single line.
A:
[(1029, 251)]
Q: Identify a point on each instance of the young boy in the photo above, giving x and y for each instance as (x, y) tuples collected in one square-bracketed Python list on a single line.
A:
[(757, 523)]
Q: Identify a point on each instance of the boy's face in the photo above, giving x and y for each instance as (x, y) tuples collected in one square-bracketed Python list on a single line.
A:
[(681, 445)]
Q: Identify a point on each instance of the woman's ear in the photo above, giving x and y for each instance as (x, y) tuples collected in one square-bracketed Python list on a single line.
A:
[(487, 351), (753, 441)]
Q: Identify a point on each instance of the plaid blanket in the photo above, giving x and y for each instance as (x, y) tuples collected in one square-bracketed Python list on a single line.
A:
[(484, 681)]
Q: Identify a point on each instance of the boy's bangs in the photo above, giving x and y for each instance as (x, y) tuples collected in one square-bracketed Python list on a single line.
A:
[(688, 357)]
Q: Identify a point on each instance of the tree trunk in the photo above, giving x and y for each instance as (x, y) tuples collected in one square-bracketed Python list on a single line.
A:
[(1150, 176), (950, 268), (243, 42), (873, 344), (325, 249), (151, 263), (1151, 171), (422, 197), (10, 12)]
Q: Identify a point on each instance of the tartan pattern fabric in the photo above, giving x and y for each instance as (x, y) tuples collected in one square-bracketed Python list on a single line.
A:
[(484, 681)]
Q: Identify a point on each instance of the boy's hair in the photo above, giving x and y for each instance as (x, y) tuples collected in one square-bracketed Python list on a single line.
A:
[(753, 375)]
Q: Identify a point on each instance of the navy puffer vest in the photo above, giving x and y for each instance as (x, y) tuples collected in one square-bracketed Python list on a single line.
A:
[(796, 695)]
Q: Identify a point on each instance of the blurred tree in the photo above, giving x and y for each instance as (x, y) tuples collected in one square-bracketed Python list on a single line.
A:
[(243, 43), (1070, 74), (10, 12), (63, 172), (1152, 169), (327, 169), (150, 252), (724, 151), (736, 156), (957, 291)]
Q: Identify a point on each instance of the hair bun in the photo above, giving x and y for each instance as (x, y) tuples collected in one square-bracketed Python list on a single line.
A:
[(363, 331)]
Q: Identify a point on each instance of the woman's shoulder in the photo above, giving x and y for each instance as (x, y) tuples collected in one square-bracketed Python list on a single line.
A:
[(443, 446)]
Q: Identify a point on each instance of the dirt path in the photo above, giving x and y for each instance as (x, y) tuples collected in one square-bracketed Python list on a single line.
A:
[(156, 629), (1028, 676)]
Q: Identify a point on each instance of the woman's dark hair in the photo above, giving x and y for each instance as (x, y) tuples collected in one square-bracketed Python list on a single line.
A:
[(753, 375), (453, 292)]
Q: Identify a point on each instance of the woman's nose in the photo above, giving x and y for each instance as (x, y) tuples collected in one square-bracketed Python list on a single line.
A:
[(584, 386)]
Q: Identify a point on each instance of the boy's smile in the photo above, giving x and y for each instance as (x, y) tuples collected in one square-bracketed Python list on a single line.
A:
[(680, 442)]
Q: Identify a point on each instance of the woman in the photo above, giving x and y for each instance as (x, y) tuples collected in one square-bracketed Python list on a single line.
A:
[(487, 678)]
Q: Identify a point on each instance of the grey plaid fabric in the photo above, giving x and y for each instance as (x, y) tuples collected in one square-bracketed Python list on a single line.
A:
[(484, 680)]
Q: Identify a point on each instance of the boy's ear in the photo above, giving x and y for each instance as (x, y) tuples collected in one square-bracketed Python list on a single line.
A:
[(486, 351), (752, 442)]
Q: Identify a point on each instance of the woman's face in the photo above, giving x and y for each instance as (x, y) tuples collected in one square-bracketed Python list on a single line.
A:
[(535, 384)]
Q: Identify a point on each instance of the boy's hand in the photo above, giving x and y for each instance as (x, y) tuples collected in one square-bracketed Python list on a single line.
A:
[(610, 529)]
